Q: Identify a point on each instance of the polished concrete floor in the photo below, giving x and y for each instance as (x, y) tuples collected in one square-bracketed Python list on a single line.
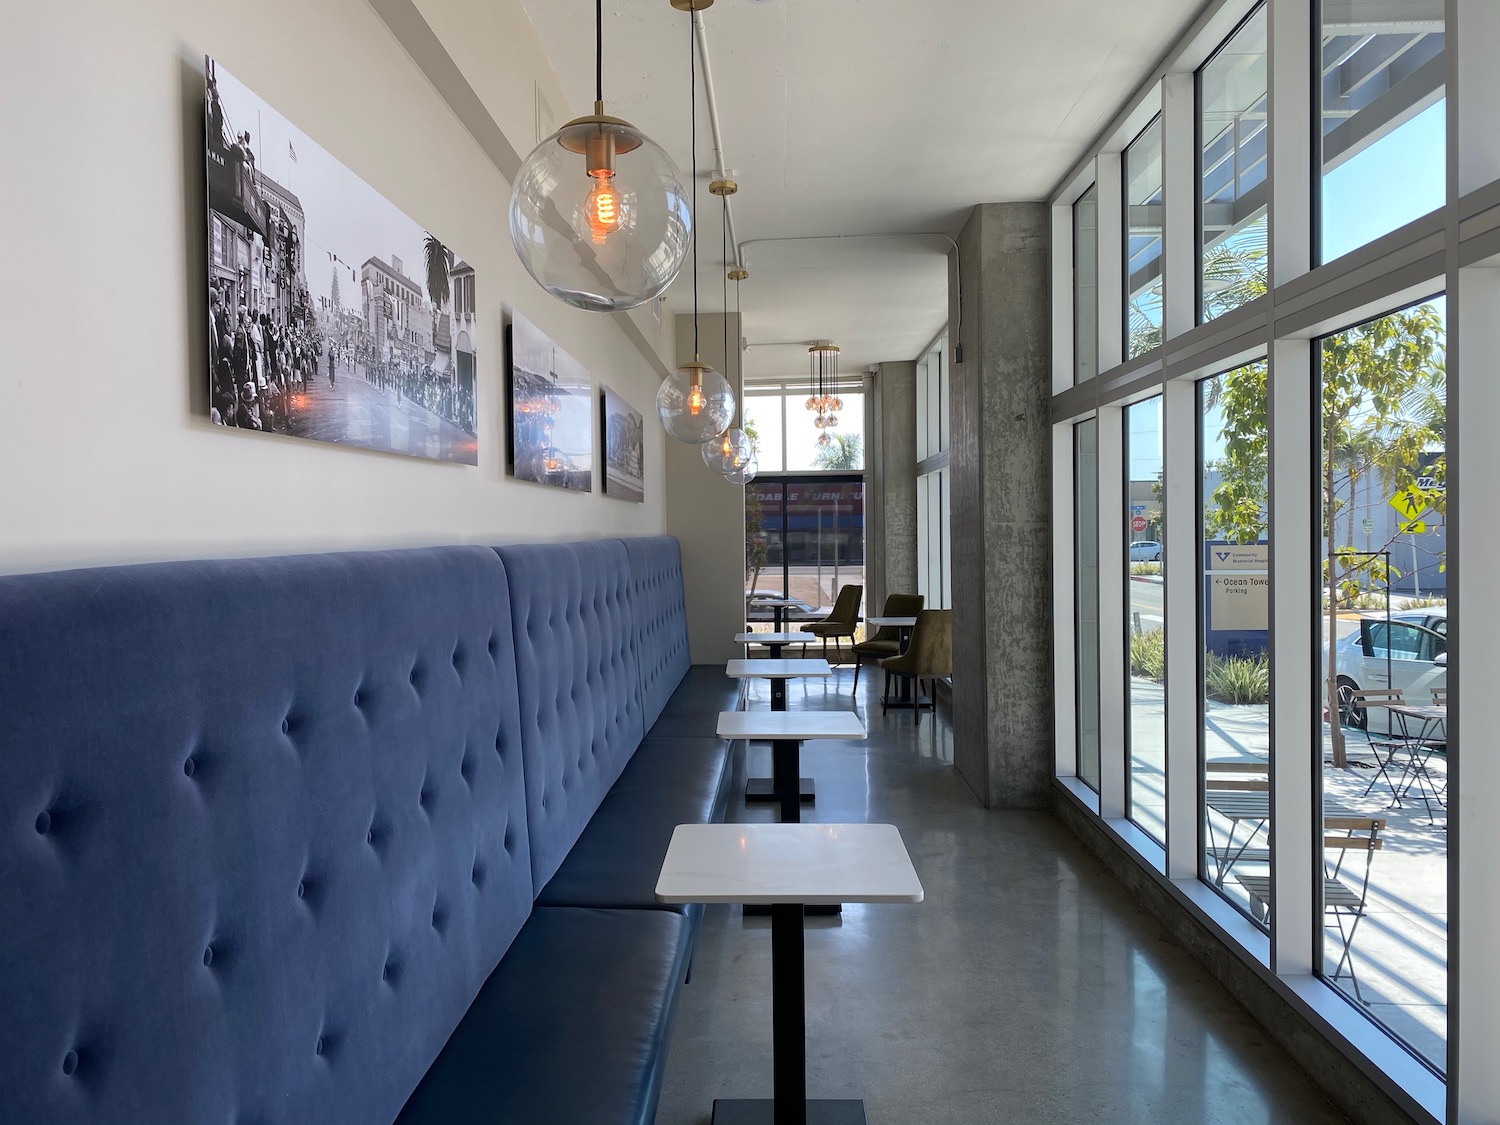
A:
[(1026, 989)]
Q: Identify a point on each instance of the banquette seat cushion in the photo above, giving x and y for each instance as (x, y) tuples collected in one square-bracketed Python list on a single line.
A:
[(262, 833)]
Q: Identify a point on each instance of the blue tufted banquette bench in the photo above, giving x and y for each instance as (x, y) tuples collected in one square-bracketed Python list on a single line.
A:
[(347, 839)]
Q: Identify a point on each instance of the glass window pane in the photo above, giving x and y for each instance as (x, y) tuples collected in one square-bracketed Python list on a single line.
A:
[(1385, 525), (1146, 650), (1086, 285), (1234, 632), (762, 423), (1232, 128), (765, 553), (846, 443), (825, 543), (1086, 530), (1144, 217), (1383, 136)]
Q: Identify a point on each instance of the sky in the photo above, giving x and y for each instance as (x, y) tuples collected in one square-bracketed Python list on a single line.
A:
[(344, 214)]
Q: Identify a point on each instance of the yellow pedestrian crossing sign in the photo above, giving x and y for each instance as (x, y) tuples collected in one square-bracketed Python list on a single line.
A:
[(1410, 504), (1414, 527)]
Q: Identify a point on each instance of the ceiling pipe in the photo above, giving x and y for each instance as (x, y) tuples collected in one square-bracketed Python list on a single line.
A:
[(720, 172), (958, 283)]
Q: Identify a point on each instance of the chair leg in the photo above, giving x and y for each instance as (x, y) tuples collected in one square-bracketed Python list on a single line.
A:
[(857, 663), (916, 701)]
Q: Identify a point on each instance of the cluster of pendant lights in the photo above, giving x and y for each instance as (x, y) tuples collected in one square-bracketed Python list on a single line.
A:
[(824, 402), (600, 219)]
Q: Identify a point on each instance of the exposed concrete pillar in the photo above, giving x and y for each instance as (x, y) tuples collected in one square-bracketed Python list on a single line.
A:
[(891, 485), (1001, 449), (707, 513)]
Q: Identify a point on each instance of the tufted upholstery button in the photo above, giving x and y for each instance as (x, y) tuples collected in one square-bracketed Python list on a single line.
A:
[(301, 888), (70, 1062), (370, 837), (318, 1046), (188, 766), (477, 875), (424, 797), (43, 824), (208, 956)]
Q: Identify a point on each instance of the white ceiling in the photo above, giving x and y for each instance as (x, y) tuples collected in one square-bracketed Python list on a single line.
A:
[(860, 117)]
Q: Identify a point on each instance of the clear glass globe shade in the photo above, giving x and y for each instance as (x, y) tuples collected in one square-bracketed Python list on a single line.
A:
[(695, 404), (824, 439), (727, 452), (745, 473), (605, 241)]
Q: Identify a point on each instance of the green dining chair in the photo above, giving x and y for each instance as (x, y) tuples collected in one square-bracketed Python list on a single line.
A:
[(928, 656), (887, 639), (841, 622)]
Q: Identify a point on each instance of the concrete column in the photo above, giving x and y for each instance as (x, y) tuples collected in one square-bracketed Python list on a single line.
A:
[(891, 486), (1001, 453), (707, 514)]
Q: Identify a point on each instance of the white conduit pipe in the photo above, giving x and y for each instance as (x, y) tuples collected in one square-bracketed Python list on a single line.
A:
[(713, 122)]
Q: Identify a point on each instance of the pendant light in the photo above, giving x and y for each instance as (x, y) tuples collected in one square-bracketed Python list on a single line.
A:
[(728, 453), (598, 213), (824, 401), (695, 402)]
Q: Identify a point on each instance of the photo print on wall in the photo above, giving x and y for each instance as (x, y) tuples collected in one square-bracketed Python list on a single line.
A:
[(624, 448), (551, 434), (332, 315)]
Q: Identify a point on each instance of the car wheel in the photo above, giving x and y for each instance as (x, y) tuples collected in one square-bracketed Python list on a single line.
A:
[(1156, 557), (1349, 715)]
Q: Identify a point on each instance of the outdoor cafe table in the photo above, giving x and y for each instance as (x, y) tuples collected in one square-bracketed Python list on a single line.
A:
[(786, 731), (773, 641), (1423, 729), (1243, 806), (777, 671), (903, 627), (788, 867)]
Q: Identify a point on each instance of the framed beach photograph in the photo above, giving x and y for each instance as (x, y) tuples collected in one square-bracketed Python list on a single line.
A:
[(332, 316), (623, 431), (551, 411)]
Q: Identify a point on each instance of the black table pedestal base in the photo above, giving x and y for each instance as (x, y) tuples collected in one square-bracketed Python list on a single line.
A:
[(760, 910), (764, 789), (758, 1111)]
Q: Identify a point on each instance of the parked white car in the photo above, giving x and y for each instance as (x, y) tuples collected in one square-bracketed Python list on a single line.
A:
[(1409, 652), (1145, 550)]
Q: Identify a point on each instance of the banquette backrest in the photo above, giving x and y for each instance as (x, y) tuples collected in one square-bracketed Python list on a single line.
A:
[(262, 829), (660, 615), (579, 685)]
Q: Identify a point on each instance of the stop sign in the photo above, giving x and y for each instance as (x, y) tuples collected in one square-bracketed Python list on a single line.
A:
[(1138, 524)]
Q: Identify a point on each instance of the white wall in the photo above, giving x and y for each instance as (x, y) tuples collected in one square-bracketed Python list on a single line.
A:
[(103, 456)]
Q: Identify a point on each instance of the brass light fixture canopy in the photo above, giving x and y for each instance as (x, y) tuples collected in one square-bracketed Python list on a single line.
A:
[(738, 275), (599, 138), (692, 5), (723, 187)]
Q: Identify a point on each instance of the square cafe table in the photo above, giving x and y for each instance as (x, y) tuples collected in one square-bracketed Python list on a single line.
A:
[(774, 641), (903, 627), (788, 867), (786, 731), (777, 671), (777, 606)]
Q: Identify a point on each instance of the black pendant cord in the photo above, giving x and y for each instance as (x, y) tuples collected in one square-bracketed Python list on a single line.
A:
[(599, 50), (693, 118)]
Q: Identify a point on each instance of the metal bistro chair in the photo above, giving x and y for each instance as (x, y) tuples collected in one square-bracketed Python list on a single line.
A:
[(841, 622), (1385, 749), (887, 639), (928, 656), (1344, 901)]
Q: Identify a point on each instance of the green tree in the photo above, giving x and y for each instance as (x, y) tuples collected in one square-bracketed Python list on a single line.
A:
[(756, 553), (845, 451)]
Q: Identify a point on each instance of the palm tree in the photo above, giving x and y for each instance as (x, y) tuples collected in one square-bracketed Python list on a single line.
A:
[(439, 264), (845, 451)]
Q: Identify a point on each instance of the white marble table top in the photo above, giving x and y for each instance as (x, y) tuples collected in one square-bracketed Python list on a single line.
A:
[(892, 622), (774, 638), (816, 864), (776, 669), (786, 725)]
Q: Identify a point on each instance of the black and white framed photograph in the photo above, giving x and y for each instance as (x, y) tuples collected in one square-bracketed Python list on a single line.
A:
[(332, 316), (551, 413), (624, 435)]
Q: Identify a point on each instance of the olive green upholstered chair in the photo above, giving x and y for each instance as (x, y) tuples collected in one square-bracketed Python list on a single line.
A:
[(841, 622), (929, 655), (887, 639)]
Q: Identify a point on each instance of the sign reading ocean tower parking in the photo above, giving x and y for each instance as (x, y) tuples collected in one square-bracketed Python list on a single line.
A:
[(1239, 586)]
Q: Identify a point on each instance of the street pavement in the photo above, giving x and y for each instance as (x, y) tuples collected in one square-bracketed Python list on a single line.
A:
[(356, 412)]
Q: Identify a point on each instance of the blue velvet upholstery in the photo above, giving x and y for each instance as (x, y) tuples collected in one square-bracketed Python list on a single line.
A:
[(263, 836), (571, 1028), (616, 861), (661, 637), (695, 705), (579, 685)]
